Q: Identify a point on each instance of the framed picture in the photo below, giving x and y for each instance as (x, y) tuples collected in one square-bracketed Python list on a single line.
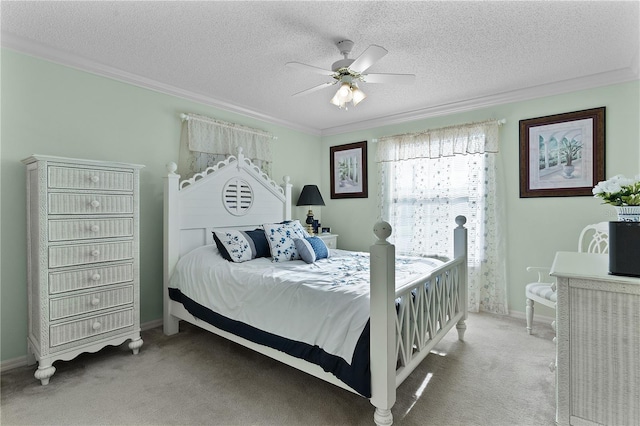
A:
[(562, 155), (349, 170)]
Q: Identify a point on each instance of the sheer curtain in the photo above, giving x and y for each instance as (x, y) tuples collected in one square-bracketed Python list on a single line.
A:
[(205, 141), (429, 178)]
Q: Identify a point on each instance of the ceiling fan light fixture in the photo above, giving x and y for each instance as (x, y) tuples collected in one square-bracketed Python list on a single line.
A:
[(335, 100), (358, 95), (348, 92), (347, 72), (344, 92)]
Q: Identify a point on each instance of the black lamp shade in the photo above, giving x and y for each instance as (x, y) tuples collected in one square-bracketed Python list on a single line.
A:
[(310, 196)]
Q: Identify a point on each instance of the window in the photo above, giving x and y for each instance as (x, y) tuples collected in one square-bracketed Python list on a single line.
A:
[(429, 178)]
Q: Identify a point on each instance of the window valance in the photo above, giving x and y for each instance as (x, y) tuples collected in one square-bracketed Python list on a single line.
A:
[(472, 138), (205, 141), (213, 136)]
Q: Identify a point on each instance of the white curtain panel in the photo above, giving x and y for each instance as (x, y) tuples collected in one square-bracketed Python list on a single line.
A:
[(205, 141), (429, 178)]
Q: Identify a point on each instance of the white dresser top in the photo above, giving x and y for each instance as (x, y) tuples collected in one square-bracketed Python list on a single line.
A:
[(586, 265)]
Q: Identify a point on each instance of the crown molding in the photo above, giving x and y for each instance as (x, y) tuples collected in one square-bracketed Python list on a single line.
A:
[(58, 56), (28, 47)]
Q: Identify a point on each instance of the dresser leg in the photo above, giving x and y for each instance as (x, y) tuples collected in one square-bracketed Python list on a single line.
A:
[(135, 345), (44, 374)]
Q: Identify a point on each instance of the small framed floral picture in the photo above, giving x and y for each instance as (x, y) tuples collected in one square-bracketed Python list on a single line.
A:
[(349, 170), (562, 155)]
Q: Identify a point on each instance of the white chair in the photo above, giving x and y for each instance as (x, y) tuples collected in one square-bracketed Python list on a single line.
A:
[(593, 239)]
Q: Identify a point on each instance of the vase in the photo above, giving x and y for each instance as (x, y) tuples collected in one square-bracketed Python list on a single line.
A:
[(628, 213), (567, 171)]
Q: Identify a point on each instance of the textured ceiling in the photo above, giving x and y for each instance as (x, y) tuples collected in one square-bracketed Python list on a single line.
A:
[(233, 54)]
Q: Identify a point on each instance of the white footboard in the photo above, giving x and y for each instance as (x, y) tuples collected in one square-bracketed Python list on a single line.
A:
[(402, 335)]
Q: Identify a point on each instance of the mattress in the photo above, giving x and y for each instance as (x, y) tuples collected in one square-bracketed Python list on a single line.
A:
[(318, 312)]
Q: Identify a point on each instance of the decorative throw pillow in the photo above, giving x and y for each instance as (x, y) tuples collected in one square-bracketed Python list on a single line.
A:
[(311, 249), (280, 237), (260, 242), (221, 248), (240, 246)]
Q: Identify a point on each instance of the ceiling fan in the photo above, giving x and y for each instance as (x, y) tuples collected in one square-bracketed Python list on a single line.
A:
[(349, 72)]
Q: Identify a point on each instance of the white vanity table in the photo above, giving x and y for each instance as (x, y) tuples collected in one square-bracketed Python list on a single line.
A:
[(598, 342)]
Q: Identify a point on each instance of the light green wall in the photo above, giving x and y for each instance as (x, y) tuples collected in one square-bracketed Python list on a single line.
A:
[(51, 109), (536, 227), (55, 110)]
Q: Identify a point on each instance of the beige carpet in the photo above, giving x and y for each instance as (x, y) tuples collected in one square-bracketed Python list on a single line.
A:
[(498, 376)]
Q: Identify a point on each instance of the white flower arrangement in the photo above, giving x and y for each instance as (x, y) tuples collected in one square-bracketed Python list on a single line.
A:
[(619, 191)]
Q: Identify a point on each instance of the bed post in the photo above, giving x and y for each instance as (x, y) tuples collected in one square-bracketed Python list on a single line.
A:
[(287, 196), (459, 250), (382, 325), (171, 243)]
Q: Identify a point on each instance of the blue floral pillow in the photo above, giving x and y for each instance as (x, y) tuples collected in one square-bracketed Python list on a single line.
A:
[(281, 236), (240, 246), (311, 249)]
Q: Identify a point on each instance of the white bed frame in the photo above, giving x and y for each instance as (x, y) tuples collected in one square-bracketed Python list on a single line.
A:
[(400, 338)]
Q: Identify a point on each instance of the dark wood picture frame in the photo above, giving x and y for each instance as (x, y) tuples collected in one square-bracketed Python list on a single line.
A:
[(562, 155), (348, 167)]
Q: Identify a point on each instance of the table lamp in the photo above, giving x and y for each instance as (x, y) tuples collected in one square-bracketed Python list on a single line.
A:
[(310, 196)]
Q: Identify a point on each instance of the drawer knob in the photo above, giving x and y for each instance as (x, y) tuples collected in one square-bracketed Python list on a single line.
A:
[(95, 203), (95, 301), (96, 325), (95, 277), (95, 178), (95, 253), (95, 228)]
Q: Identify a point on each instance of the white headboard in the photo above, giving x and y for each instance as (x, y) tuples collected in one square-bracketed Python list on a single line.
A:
[(234, 193)]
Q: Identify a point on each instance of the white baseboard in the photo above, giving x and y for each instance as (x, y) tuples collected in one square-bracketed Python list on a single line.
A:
[(21, 361), (537, 319), (151, 324), (10, 364)]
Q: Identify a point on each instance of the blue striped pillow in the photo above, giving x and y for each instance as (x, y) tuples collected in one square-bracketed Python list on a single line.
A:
[(311, 249)]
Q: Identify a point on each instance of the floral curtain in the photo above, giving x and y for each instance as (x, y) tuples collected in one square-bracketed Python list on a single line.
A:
[(205, 141), (429, 178)]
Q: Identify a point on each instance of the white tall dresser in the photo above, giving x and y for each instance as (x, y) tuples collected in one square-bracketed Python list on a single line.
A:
[(83, 258), (598, 342)]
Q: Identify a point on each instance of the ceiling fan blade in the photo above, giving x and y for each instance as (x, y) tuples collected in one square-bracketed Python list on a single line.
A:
[(311, 68), (368, 58), (313, 89), (389, 78)]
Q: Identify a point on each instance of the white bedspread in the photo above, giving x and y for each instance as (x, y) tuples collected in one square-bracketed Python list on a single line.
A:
[(324, 304)]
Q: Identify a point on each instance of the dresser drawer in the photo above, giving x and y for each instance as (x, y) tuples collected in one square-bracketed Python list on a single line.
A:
[(74, 305), (60, 282), (79, 229), (69, 203), (89, 253), (81, 178), (71, 331)]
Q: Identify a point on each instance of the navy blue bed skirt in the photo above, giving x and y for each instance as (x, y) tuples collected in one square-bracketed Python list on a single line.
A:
[(356, 375)]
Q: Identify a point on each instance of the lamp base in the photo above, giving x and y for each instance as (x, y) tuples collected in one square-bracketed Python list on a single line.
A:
[(309, 222)]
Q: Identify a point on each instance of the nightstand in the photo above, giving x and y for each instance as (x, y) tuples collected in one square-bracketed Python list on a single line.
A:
[(331, 240)]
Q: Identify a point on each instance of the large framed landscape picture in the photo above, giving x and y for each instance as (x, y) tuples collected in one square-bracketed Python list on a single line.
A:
[(349, 170), (562, 154)]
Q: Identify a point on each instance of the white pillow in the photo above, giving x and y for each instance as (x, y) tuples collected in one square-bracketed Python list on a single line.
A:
[(238, 246), (281, 236)]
